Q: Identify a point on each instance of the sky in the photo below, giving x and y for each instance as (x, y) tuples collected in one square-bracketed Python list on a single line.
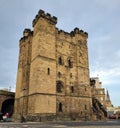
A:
[(100, 18)]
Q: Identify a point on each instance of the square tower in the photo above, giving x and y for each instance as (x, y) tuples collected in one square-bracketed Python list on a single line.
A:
[(53, 72)]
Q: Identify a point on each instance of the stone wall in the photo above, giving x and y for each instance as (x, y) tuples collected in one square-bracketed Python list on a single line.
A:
[(53, 71)]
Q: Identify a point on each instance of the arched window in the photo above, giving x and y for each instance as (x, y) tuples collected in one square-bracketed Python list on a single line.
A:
[(59, 86), (60, 107), (60, 62)]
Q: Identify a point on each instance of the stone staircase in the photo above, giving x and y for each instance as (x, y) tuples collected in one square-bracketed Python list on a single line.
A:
[(98, 109)]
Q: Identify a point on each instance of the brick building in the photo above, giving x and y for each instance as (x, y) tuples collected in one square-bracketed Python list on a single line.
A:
[(53, 72)]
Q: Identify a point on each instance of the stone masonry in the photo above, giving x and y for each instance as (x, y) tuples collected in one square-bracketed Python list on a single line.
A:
[(53, 72)]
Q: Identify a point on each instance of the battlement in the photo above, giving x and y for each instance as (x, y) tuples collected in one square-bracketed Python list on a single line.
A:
[(77, 31), (26, 33), (63, 32), (47, 16), (53, 20), (72, 33)]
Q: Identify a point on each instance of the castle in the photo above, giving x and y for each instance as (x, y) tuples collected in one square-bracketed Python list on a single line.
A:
[(53, 72)]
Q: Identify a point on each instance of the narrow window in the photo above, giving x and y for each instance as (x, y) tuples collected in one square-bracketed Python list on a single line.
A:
[(60, 107), (85, 107), (60, 61), (72, 89), (70, 75), (59, 74), (48, 71), (69, 63)]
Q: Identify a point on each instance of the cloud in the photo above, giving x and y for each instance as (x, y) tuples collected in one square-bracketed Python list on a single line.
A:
[(99, 18)]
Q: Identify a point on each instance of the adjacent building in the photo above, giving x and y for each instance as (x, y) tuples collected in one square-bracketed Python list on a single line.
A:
[(101, 98), (99, 92)]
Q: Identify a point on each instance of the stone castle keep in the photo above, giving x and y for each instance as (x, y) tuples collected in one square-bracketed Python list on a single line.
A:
[(53, 72)]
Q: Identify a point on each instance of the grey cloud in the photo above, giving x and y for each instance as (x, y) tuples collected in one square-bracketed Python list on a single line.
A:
[(99, 18)]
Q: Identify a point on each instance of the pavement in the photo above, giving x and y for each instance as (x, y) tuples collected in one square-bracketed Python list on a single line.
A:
[(69, 124)]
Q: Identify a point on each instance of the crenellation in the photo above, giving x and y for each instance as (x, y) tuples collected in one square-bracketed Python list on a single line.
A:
[(73, 33), (78, 31), (47, 16), (41, 13), (63, 32), (86, 33), (54, 19), (26, 32)]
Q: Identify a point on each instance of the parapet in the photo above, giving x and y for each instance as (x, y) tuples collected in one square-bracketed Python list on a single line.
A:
[(27, 32), (41, 13), (62, 31), (77, 31), (73, 33)]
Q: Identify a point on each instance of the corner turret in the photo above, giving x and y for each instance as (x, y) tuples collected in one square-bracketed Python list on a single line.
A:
[(41, 13), (27, 32)]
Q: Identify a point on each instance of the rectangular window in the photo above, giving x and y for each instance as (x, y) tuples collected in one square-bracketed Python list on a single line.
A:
[(72, 89), (48, 71)]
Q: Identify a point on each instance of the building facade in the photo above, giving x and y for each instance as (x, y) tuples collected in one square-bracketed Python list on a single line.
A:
[(53, 72), (98, 91), (101, 99)]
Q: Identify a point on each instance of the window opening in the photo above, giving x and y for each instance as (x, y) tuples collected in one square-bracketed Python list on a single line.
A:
[(60, 61), (70, 75), (48, 71), (59, 86), (60, 107), (69, 63), (72, 89), (59, 74)]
